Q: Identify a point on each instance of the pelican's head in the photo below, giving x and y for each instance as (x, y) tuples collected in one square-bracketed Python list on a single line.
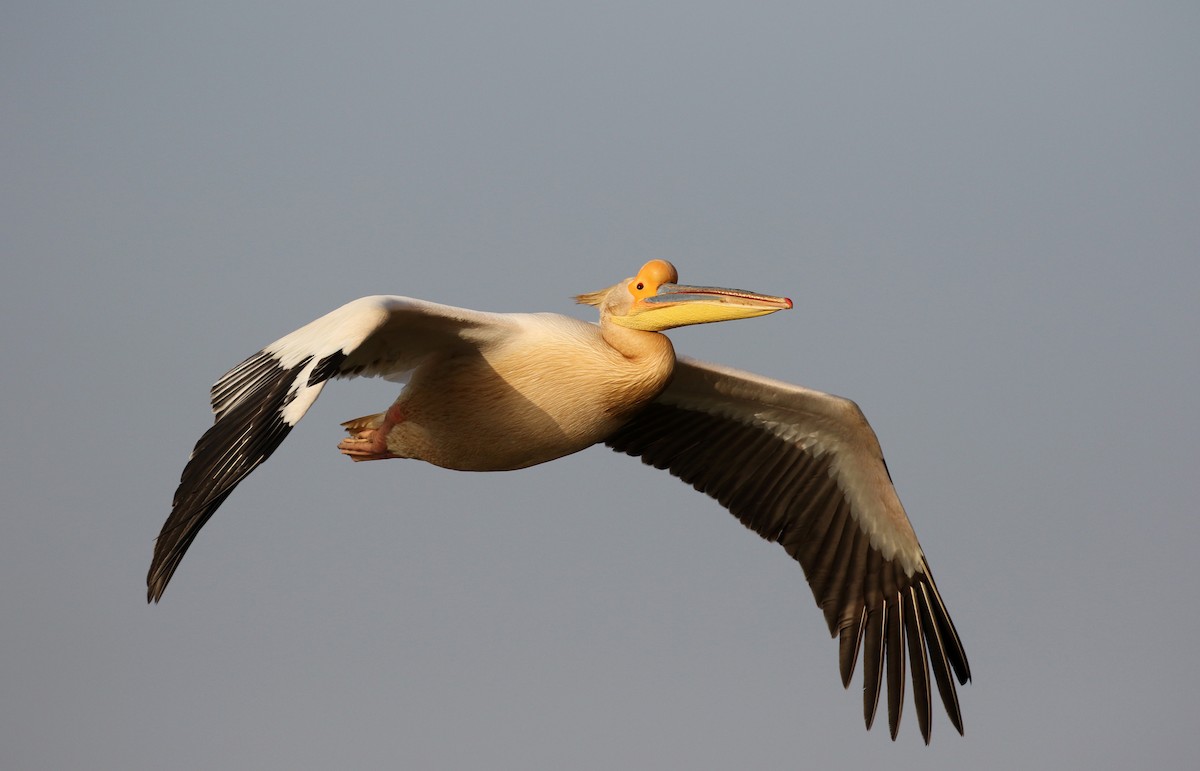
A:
[(653, 301)]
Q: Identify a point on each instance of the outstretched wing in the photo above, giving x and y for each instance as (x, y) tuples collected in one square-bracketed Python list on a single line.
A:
[(258, 402), (804, 468)]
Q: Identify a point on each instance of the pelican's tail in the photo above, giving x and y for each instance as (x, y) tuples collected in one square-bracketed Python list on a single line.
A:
[(365, 423)]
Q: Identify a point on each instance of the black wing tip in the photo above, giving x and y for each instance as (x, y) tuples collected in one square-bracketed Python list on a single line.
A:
[(244, 435), (167, 555), (849, 640), (177, 534), (159, 574), (935, 653), (155, 588), (896, 675)]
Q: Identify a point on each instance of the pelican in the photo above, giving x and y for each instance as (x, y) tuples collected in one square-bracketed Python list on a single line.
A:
[(501, 391)]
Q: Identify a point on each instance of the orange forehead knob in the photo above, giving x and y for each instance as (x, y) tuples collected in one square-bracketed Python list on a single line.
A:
[(658, 272)]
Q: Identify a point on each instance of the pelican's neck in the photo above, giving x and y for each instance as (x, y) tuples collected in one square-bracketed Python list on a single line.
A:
[(642, 365), (648, 351), (637, 345)]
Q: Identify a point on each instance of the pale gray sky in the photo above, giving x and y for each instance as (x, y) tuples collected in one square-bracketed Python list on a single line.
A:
[(989, 218)]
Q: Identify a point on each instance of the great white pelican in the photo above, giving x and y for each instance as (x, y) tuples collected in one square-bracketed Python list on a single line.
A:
[(500, 391)]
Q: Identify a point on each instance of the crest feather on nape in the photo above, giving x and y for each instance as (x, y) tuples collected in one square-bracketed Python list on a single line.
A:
[(593, 298)]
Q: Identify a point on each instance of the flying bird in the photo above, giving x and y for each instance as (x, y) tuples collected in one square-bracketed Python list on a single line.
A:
[(502, 391)]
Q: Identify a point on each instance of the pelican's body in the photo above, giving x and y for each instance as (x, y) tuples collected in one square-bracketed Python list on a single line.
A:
[(494, 392), (532, 388)]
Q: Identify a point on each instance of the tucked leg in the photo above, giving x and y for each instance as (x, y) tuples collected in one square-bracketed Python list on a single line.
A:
[(368, 435)]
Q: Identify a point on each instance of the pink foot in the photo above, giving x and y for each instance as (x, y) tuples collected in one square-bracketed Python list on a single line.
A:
[(371, 443)]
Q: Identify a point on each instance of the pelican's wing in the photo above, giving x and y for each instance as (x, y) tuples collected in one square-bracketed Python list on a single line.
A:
[(258, 402), (804, 468)]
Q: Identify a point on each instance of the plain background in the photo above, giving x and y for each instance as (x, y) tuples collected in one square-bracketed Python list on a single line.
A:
[(988, 216)]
